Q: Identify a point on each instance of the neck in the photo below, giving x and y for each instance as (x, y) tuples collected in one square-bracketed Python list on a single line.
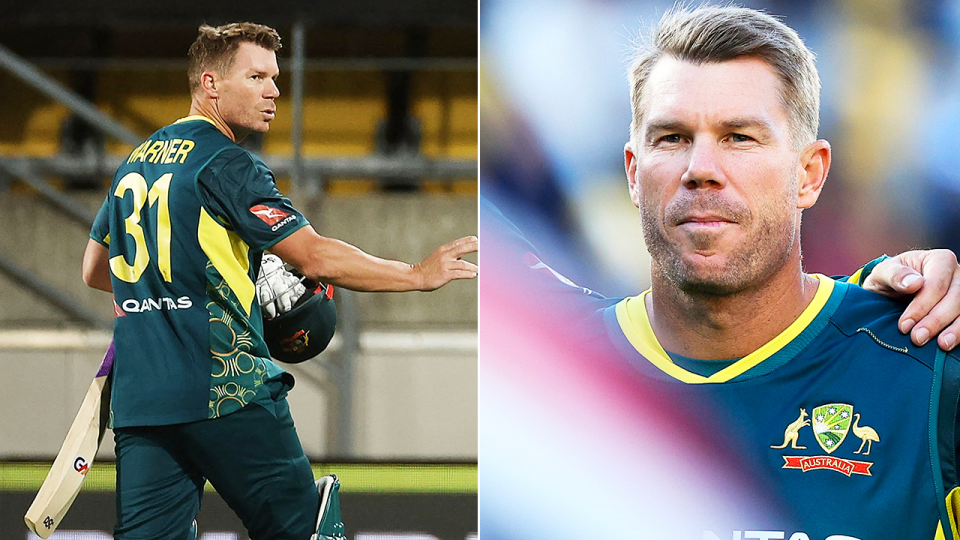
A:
[(209, 109), (722, 328)]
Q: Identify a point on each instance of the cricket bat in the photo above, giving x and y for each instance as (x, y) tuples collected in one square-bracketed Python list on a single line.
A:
[(76, 455)]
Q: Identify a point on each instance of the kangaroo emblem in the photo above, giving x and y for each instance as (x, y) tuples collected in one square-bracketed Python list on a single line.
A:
[(792, 432)]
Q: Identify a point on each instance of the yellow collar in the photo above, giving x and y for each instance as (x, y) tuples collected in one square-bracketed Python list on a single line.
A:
[(635, 324)]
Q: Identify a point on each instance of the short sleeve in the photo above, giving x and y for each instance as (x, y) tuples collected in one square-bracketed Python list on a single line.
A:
[(100, 231), (861, 275), (241, 193)]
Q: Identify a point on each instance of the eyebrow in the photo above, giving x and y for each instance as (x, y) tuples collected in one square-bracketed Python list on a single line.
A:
[(668, 125), (748, 122), (663, 125)]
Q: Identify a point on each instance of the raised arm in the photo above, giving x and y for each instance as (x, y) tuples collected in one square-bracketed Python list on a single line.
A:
[(332, 261)]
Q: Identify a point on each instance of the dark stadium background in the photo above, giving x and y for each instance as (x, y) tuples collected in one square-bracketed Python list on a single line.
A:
[(375, 139)]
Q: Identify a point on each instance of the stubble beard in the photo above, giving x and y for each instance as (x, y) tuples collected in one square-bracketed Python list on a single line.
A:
[(765, 249)]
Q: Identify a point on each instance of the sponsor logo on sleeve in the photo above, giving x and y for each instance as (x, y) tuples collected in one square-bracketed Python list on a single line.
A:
[(274, 217)]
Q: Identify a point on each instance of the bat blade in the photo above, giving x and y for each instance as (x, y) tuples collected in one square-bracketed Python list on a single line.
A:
[(76, 455)]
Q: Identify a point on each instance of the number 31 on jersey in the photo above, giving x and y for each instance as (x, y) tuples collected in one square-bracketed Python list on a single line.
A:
[(158, 194)]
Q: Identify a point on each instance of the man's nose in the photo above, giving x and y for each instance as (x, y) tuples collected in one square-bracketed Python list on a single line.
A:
[(272, 91), (703, 168)]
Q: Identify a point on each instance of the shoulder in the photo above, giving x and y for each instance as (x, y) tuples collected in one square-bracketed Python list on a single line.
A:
[(871, 315), (235, 164), (861, 308)]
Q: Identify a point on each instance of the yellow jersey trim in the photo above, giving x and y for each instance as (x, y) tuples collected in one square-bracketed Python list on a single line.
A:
[(635, 324), (953, 512), (856, 277), (228, 254), (196, 117)]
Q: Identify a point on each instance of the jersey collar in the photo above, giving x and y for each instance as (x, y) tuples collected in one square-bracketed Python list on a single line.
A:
[(196, 117), (634, 322)]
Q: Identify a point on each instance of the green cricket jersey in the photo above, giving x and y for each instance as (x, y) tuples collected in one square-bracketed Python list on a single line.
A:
[(186, 220)]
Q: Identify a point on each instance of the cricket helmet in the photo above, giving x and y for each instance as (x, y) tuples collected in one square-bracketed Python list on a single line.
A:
[(305, 331)]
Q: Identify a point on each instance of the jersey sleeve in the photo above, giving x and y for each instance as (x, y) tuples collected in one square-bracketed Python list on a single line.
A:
[(100, 231), (241, 193), (858, 277)]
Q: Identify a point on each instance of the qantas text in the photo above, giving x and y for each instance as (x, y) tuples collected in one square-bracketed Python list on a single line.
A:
[(135, 305), (771, 535)]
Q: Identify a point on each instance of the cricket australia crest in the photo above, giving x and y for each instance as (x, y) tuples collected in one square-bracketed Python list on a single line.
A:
[(830, 424)]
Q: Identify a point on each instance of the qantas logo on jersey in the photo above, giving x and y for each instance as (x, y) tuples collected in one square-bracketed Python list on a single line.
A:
[(771, 535), (830, 424), (163, 303), (274, 217)]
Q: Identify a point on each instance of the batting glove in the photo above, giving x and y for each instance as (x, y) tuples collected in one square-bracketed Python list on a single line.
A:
[(277, 289)]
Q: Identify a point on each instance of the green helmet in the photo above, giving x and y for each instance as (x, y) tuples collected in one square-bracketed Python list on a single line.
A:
[(305, 331)]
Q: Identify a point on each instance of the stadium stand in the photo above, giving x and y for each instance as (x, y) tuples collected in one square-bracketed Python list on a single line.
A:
[(389, 147)]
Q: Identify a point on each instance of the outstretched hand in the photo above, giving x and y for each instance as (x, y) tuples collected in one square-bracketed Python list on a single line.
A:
[(932, 278), (445, 265)]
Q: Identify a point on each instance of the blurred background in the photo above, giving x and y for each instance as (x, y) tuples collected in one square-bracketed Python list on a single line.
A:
[(554, 116), (375, 140)]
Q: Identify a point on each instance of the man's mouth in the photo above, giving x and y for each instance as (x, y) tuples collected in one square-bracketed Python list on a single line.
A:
[(704, 220)]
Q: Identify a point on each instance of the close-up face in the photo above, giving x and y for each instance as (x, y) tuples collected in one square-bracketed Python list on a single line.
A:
[(247, 92), (714, 174)]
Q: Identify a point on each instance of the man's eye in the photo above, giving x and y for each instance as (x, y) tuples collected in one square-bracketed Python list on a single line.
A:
[(671, 139), (255, 77), (738, 138)]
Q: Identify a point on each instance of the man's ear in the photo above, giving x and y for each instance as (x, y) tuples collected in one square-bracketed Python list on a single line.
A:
[(630, 165), (209, 83), (814, 166)]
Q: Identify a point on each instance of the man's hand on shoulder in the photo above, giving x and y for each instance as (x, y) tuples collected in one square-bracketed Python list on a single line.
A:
[(932, 278), (445, 264)]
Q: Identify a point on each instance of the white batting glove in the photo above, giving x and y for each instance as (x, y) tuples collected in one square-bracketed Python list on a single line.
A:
[(277, 289)]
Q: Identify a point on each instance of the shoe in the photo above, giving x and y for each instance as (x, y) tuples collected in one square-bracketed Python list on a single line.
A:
[(329, 522)]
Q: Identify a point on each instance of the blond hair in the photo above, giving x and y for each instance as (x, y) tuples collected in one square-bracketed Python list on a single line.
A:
[(711, 34), (215, 49)]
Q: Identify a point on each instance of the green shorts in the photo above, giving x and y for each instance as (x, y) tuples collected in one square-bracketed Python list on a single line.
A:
[(252, 457)]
